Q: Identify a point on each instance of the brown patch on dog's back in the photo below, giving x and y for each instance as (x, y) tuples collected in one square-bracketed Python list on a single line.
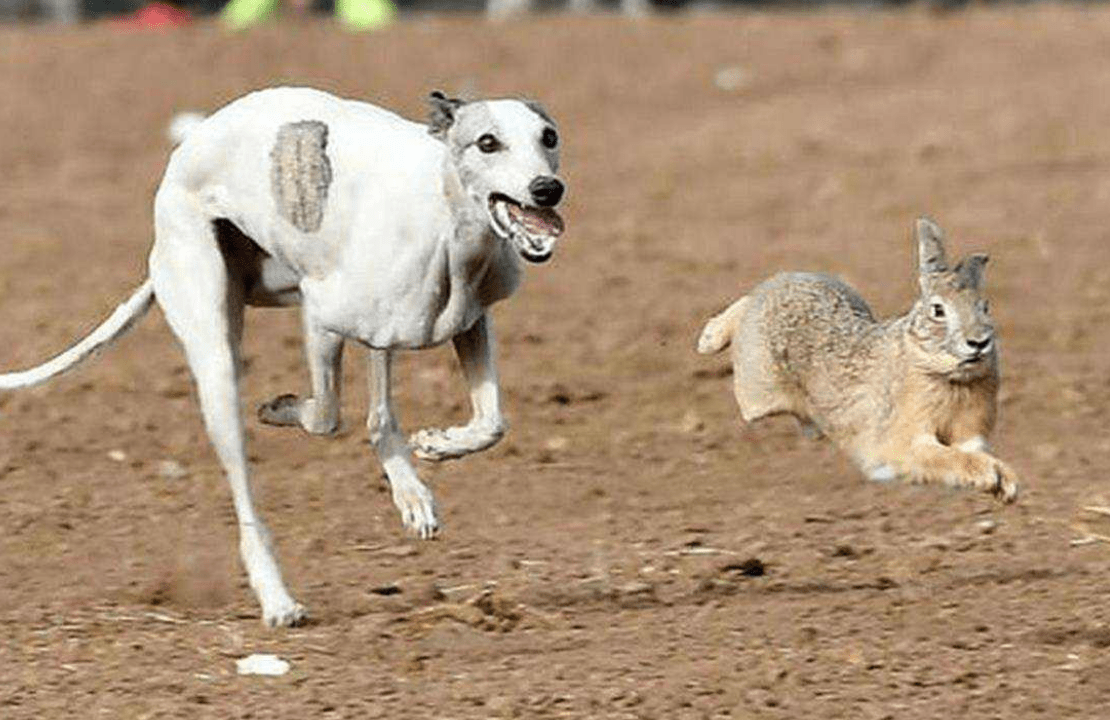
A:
[(300, 173)]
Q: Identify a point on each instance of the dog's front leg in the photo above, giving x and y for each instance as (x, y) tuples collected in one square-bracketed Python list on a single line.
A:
[(475, 349), (412, 497), (318, 414)]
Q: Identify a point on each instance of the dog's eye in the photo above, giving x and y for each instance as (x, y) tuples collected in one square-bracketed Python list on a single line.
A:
[(489, 144), (937, 311), (550, 138), (985, 306)]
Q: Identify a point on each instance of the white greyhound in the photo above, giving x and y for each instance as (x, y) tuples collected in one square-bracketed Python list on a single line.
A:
[(393, 233)]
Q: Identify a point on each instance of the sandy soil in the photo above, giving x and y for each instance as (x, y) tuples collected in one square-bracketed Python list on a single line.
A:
[(601, 561)]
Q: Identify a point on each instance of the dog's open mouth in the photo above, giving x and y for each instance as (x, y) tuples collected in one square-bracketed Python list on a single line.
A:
[(533, 230)]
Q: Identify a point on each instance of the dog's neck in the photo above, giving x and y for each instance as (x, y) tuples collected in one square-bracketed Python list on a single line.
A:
[(478, 253), (472, 223)]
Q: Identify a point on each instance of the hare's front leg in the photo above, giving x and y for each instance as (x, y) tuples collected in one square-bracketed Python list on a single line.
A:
[(965, 466)]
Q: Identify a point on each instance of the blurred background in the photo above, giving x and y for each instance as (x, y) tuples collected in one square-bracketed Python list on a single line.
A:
[(168, 12), (629, 550)]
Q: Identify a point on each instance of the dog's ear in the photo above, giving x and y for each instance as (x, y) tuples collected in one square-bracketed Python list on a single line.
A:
[(442, 113), (539, 110)]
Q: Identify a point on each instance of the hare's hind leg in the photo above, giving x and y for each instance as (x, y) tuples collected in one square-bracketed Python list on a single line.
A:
[(932, 462), (757, 383), (809, 428)]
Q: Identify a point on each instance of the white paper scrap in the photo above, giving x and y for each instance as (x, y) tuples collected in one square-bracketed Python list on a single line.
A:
[(262, 664)]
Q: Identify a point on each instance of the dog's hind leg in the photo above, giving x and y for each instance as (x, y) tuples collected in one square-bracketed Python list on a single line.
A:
[(318, 414), (412, 497), (204, 310), (475, 349)]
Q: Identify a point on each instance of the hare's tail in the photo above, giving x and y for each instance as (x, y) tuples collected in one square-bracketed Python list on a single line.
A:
[(717, 334), (119, 322)]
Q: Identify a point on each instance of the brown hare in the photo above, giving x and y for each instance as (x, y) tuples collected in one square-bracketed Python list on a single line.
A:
[(911, 398)]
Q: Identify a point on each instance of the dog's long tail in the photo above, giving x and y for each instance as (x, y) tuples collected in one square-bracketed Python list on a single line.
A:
[(120, 321), (717, 334)]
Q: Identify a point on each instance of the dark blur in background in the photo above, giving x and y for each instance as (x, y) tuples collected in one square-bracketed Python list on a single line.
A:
[(70, 11)]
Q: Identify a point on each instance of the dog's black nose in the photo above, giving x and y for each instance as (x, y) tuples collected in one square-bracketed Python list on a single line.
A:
[(546, 191)]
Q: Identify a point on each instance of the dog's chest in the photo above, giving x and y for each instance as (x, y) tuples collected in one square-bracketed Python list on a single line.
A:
[(413, 298)]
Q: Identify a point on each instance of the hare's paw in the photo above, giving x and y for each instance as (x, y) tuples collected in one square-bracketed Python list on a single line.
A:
[(995, 477), (1005, 483)]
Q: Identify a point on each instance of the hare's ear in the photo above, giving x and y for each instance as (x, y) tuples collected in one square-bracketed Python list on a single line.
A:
[(930, 247), (970, 270), (441, 116)]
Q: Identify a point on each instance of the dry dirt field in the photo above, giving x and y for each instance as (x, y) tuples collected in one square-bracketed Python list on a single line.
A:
[(602, 561)]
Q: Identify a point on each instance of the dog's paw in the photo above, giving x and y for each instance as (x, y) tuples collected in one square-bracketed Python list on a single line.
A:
[(309, 414), (285, 613), (284, 410), (418, 509), (446, 444), (279, 609)]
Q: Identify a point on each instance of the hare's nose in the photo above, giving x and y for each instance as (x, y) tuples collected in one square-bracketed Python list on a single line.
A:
[(980, 345)]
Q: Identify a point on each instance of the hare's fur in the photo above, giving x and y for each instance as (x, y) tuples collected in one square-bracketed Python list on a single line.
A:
[(912, 398)]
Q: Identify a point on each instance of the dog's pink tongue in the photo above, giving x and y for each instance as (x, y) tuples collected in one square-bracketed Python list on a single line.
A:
[(538, 221)]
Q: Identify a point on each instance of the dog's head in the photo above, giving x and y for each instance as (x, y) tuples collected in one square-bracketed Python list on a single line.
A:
[(506, 153)]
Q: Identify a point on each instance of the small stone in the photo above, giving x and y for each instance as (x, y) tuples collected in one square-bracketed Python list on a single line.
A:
[(117, 456), (752, 567), (637, 588), (691, 423), (557, 443), (987, 526), (732, 77), (171, 470), (501, 706)]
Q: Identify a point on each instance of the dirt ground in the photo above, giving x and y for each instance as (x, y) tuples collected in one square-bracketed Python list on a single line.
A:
[(629, 550)]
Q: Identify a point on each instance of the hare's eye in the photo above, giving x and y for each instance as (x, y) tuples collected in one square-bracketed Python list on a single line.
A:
[(489, 144), (937, 311)]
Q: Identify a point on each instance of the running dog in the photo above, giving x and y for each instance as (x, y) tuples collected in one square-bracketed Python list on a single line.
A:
[(396, 234)]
